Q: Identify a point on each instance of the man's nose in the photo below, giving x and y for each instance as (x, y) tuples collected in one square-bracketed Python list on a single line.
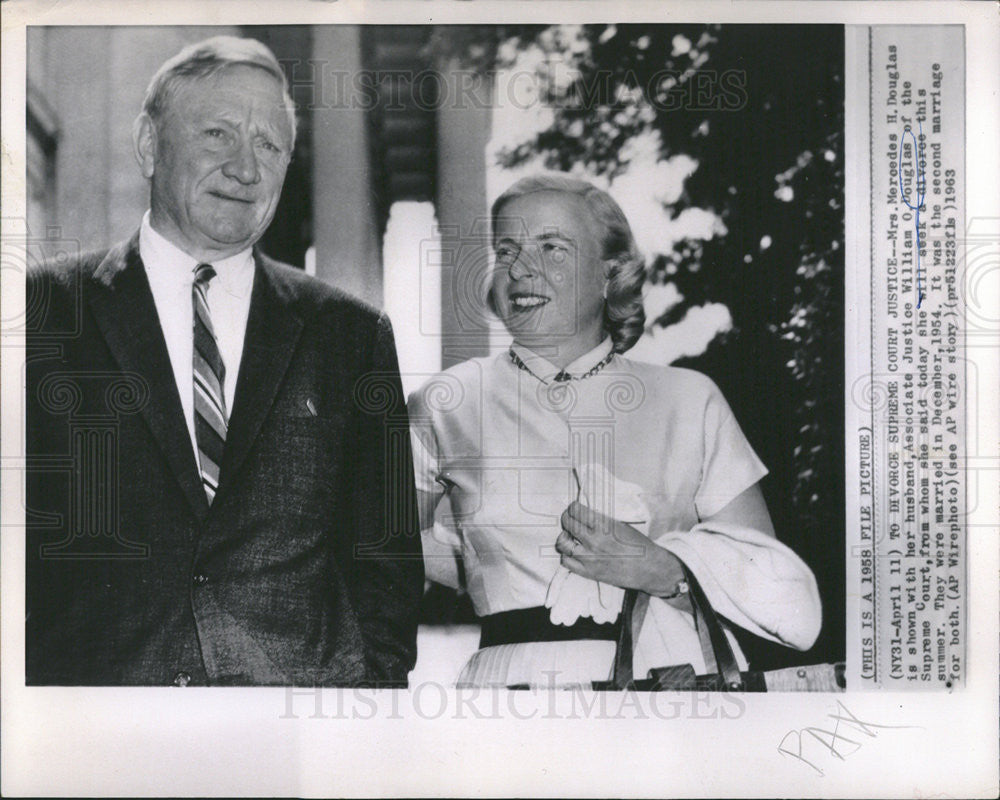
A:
[(242, 164)]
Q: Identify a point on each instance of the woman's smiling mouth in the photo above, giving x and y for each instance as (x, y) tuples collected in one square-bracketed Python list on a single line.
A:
[(526, 301)]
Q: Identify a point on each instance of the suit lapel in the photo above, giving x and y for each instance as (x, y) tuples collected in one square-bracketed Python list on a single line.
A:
[(271, 337), (122, 304)]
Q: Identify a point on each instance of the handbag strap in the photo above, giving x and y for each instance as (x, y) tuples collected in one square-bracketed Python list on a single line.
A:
[(622, 675), (719, 656)]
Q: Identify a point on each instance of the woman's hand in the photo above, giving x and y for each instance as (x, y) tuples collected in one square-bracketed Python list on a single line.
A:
[(604, 549)]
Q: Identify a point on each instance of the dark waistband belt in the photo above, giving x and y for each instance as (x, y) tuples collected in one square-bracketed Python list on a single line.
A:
[(534, 625)]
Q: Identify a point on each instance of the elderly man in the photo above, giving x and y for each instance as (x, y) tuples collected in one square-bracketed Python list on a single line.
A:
[(220, 488)]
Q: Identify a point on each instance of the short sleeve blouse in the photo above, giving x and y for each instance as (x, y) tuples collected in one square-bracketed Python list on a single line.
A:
[(502, 444)]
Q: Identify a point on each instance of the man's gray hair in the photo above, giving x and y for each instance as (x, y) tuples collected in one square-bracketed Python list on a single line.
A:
[(206, 58)]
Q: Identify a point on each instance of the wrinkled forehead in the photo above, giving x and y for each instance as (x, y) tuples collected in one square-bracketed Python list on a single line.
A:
[(544, 213), (238, 80), (233, 88)]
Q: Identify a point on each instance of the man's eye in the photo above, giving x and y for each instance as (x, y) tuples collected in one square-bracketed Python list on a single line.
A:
[(271, 147), (505, 253), (217, 137), (553, 247)]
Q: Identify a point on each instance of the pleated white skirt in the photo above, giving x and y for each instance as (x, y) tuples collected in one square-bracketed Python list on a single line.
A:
[(548, 665)]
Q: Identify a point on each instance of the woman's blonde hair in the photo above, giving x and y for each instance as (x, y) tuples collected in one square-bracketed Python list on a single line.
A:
[(624, 316)]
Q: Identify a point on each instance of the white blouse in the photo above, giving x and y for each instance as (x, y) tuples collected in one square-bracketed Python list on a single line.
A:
[(501, 444)]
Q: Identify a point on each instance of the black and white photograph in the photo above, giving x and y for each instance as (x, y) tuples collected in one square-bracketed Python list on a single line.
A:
[(379, 384), (690, 355)]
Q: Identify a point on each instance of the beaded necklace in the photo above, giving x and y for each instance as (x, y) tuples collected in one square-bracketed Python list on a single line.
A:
[(562, 376)]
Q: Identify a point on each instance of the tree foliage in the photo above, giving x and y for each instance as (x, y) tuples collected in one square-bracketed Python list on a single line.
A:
[(753, 118)]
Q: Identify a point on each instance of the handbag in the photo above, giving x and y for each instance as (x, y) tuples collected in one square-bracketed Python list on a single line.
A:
[(724, 672)]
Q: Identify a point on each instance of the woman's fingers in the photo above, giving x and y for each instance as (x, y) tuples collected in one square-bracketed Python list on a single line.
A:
[(566, 544), (590, 519), (575, 565), (570, 525), (578, 521), (584, 514)]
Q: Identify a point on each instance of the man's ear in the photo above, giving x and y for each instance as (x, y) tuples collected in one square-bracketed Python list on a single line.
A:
[(144, 143)]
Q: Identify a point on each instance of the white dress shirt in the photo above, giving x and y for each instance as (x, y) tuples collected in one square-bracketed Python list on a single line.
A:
[(170, 272)]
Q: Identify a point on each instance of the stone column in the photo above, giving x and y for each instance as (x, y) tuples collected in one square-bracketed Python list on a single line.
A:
[(345, 233), (463, 130)]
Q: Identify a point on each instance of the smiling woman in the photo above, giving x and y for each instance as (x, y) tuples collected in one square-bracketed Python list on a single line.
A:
[(573, 473)]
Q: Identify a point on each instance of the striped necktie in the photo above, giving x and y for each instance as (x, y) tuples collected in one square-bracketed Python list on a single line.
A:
[(210, 419)]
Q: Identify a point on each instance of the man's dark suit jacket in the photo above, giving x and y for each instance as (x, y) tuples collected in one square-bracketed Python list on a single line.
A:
[(306, 569)]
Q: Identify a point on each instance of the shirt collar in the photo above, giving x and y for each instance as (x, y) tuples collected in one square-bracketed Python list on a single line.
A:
[(166, 263), (545, 371)]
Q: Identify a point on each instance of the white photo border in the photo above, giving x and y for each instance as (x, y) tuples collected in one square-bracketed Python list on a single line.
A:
[(203, 742)]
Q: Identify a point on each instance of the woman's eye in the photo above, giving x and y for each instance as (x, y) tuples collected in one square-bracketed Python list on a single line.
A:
[(553, 247), (505, 253), (215, 133)]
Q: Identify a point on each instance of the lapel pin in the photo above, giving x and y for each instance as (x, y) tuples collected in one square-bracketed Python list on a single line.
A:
[(311, 406)]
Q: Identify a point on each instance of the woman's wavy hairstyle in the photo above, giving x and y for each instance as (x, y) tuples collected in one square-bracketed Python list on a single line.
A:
[(624, 316)]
